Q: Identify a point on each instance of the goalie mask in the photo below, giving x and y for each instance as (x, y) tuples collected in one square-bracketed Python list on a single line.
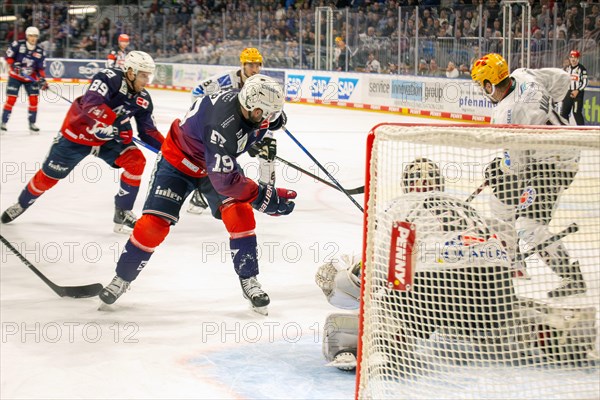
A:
[(422, 175), (264, 92)]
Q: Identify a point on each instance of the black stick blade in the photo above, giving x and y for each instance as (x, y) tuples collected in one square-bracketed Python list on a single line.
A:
[(79, 292)]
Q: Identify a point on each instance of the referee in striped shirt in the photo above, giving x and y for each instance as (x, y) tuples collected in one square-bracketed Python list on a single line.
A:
[(574, 98)]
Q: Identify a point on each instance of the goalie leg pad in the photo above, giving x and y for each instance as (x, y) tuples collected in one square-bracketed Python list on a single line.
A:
[(562, 334), (340, 335), (340, 282)]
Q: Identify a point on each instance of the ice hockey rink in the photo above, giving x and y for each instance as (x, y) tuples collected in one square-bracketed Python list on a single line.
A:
[(184, 329)]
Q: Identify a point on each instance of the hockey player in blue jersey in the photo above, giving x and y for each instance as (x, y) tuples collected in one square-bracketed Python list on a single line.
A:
[(98, 123), (26, 62), (206, 143), (251, 64)]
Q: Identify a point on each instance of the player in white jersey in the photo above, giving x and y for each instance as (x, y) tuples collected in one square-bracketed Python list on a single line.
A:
[(527, 183), (251, 64), (462, 284)]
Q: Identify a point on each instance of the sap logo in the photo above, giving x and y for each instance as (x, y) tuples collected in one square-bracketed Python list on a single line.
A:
[(90, 69), (346, 88), (294, 84), (319, 86), (57, 69)]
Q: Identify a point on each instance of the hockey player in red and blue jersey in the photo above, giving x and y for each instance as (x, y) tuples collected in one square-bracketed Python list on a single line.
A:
[(98, 123), (206, 143), (26, 62)]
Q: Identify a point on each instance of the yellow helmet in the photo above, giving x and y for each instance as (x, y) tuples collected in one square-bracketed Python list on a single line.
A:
[(492, 67), (250, 55)]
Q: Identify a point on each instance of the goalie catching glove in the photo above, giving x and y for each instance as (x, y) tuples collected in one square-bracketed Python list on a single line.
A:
[(274, 201)]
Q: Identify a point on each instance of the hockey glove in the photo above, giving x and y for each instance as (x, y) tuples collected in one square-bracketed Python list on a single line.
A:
[(274, 201), (42, 83), (504, 185), (265, 149), (279, 122), (16, 68), (123, 129)]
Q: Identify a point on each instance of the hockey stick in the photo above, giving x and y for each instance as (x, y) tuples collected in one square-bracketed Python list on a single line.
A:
[(358, 190), (554, 238), (340, 188), (63, 291), (31, 78), (477, 191)]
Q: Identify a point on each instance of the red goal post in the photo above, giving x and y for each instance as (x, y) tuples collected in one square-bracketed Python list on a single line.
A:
[(427, 328)]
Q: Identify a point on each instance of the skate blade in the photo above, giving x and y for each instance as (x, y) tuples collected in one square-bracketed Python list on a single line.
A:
[(195, 210), (261, 310), (34, 133), (122, 229)]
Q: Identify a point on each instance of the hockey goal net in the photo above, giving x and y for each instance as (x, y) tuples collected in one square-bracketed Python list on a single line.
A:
[(478, 291)]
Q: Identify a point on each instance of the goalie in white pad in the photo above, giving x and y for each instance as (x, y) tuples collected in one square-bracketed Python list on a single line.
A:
[(340, 281), (461, 286)]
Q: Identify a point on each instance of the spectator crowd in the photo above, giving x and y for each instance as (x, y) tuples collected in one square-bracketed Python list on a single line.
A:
[(437, 38)]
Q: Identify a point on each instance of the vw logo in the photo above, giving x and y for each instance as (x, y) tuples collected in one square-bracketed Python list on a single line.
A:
[(57, 69)]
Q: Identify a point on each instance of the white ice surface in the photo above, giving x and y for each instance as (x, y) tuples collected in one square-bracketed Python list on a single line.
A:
[(184, 330)]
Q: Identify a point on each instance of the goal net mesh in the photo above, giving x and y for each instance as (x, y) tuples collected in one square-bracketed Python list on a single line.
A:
[(490, 293)]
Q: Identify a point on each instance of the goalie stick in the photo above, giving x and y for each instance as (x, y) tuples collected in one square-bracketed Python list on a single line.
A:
[(357, 190), (63, 291), (554, 238)]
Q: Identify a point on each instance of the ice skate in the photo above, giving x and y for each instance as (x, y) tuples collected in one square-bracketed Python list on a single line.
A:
[(197, 203), (33, 129), (114, 290), (568, 287), (3, 128), (253, 292), (124, 221), (12, 213)]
